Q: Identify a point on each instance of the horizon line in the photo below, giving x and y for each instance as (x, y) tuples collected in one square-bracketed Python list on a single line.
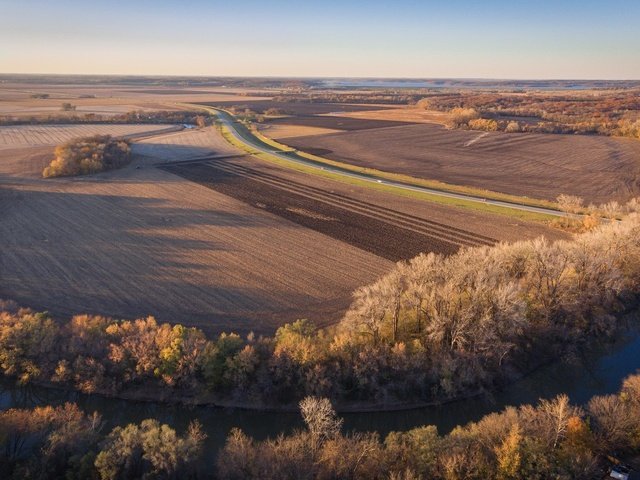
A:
[(299, 77)]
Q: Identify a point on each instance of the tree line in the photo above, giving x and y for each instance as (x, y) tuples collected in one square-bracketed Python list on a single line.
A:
[(609, 112), (553, 439), (198, 118), (432, 329)]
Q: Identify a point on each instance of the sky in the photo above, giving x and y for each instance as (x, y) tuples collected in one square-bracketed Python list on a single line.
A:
[(521, 39)]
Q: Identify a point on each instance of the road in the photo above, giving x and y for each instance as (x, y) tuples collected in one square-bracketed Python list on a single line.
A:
[(290, 156)]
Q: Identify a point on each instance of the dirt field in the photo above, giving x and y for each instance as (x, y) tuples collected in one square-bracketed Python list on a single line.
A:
[(334, 122), (142, 241), (410, 114), (381, 231), (293, 108), (16, 101), (251, 254), (40, 135), (281, 131), (183, 145), (596, 168)]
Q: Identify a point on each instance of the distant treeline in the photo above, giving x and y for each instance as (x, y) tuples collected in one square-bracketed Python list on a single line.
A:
[(609, 112), (434, 328), (553, 439), (198, 118), (382, 97)]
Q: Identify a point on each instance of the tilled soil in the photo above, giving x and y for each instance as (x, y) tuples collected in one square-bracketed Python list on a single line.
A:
[(295, 108), (387, 233), (336, 123), (597, 168)]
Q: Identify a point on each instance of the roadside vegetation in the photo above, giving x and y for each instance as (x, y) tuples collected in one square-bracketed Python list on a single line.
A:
[(86, 155), (553, 439), (434, 328)]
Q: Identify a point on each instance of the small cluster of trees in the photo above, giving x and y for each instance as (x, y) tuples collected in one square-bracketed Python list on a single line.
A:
[(64, 442), (86, 155), (551, 440), (592, 214), (433, 328)]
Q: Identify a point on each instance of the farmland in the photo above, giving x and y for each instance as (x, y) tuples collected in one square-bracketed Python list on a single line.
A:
[(225, 240), (142, 241), (379, 230), (51, 135), (227, 244), (541, 166)]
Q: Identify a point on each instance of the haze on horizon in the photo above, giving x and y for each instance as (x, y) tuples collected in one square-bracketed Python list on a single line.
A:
[(547, 39)]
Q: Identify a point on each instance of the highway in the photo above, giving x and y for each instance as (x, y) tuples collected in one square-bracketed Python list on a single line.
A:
[(291, 156)]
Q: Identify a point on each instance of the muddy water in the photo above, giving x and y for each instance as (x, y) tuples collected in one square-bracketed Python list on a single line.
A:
[(597, 372)]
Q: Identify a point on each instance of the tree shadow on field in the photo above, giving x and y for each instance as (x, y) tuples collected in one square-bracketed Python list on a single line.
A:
[(128, 257)]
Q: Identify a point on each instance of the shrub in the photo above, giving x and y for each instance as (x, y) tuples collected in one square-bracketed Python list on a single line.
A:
[(484, 124), (513, 127)]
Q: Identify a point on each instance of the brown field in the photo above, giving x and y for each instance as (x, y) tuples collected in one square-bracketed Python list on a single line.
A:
[(409, 114), (232, 243), (596, 168), (292, 108), (183, 145), (41, 135), (247, 254), (379, 230), (16, 101), (336, 122), (143, 241), (279, 130)]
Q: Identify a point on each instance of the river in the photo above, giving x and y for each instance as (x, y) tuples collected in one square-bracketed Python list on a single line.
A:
[(601, 371)]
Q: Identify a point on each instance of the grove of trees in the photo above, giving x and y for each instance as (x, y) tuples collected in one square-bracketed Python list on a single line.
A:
[(86, 155)]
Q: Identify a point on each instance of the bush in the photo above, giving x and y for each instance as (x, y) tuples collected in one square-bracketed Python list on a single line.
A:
[(513, 127), (86, 155), (483, 124)]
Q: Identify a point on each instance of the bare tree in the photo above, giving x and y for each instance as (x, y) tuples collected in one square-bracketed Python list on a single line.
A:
[(569, 204), (321, 420)]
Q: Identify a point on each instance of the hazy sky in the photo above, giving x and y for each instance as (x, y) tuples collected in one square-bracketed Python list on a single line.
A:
[(402, 38)]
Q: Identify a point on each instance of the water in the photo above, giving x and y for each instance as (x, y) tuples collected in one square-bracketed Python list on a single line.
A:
[(599, 372)]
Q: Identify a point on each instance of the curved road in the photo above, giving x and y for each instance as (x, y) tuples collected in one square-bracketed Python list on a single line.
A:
[(290, 156)]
